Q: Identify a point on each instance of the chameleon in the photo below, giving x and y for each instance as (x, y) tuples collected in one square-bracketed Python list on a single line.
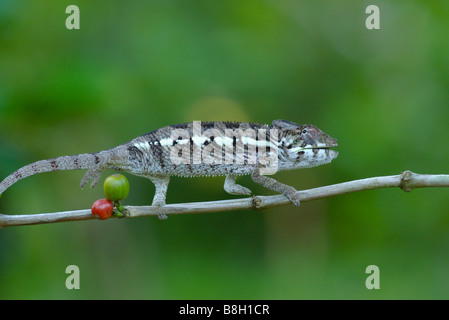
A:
[(197, 148)]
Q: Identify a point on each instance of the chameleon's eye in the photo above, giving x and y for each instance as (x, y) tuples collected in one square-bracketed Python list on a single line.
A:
[(309, 135)]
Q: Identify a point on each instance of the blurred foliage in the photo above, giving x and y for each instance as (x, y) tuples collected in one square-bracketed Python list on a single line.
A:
[(136, 66)]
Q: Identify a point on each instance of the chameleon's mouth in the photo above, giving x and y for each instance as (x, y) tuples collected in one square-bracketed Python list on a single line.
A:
[(299, 149), (318, 145), (323, 151), (326, 154), (325, 147)]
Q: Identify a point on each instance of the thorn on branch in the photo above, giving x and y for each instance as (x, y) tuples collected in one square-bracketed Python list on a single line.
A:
[(257, 203), (406, 181)]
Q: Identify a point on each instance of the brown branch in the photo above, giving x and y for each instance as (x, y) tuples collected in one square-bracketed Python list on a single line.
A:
[(406, 181)]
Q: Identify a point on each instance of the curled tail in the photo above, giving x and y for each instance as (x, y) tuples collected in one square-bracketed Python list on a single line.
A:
[(95, 162)]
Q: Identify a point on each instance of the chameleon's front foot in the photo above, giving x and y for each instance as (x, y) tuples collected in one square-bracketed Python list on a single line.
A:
[(293, 196), (274, 185), (233, 188)]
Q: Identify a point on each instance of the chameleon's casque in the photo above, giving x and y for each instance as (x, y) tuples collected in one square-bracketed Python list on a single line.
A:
[(203, 149)]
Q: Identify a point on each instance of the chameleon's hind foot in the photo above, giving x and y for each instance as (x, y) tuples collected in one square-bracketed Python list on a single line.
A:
[(161, 184), (161, 216), (159, 202), (93, 175)]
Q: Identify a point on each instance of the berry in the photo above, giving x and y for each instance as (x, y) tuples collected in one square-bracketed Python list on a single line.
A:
[(116, 187), (102, 208)]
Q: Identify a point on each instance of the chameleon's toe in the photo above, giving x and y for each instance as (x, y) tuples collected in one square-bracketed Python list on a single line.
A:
[(246, 191), (160, 203), (239, 190), (93, 175), (294, 198), (233, 188)]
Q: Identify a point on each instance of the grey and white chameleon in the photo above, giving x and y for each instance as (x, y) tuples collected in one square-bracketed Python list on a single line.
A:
[(202, 149)]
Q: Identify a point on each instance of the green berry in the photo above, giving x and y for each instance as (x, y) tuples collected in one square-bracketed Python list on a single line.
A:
[(116, 187)]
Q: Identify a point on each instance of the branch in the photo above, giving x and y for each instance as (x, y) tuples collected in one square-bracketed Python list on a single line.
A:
[(406, 181)]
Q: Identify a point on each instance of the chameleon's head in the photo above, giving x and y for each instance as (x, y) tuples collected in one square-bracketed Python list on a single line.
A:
[(303, 146)]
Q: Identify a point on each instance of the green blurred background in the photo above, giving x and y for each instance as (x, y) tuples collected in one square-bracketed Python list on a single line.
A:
[(136, 66)]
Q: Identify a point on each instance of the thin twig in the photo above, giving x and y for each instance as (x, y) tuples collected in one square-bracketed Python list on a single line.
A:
[(406, 181)]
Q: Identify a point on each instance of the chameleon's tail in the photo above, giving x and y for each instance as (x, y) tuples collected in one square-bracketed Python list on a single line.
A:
[(80, 161)]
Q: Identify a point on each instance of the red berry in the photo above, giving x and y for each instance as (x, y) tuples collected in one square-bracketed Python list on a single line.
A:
[(102, 208)]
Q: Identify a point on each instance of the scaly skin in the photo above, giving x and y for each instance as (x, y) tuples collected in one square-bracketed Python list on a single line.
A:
[(202, 149)]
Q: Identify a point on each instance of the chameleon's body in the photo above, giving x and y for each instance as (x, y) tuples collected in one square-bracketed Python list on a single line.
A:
[(202, 149)]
